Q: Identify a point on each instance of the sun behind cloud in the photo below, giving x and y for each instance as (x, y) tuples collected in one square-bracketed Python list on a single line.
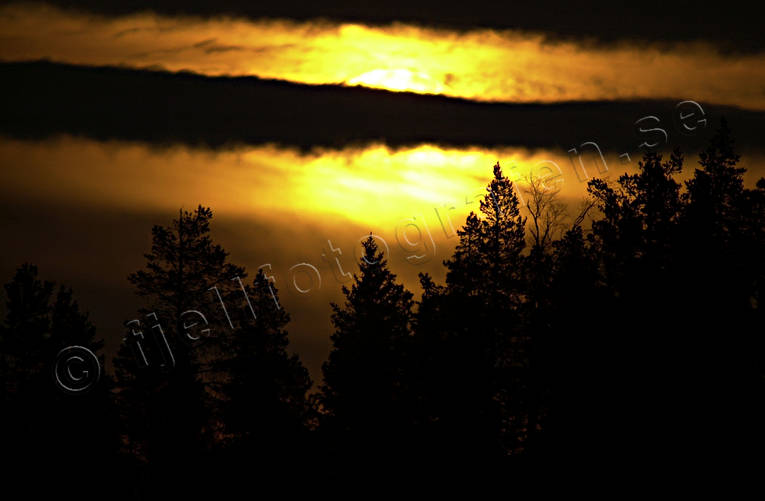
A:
[(481, 65), (399, 80)]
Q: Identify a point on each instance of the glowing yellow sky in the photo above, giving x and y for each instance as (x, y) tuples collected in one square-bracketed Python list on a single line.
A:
[(374, 186), (283, 207), (482, 65)]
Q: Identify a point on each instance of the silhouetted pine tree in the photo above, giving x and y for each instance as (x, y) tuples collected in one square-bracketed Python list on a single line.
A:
[(167, 407)]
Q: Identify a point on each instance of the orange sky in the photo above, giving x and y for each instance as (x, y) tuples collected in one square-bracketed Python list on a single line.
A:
[(273, 206), (282, 206), (374, 186), (481, 65)]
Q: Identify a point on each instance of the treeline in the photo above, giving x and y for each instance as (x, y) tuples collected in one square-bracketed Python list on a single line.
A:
[(639, 336)]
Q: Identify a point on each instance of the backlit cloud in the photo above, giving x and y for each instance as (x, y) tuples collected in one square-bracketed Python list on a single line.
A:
[(480, 65)]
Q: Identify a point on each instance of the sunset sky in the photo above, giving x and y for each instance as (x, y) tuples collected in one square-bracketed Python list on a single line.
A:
[(306, 126)]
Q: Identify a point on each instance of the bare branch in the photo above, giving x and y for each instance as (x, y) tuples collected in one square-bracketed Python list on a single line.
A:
[(546, 212)]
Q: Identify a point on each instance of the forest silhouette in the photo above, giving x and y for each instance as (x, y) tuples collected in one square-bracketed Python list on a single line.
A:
[(633, 333)]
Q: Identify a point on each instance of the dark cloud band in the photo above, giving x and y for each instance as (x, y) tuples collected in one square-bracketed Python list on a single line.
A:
[(728, 25), (42, 99)]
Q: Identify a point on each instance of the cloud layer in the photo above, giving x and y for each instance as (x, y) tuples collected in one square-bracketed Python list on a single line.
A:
[(44, 99), (482, 65)]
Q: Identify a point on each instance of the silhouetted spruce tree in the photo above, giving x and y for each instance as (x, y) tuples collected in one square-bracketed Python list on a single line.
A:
[(466, 264), (503, 239), (680, 273), (265, 406), (452, 374), (364, 390), (470, 341), (566, 351), (432, 375), (724, 260), (638, 229), (47, 432), (635, 239), (168, 408)]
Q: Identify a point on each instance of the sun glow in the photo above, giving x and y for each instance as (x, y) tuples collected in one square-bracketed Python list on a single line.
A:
[(373, 186), (399, 80), (481, 65)]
